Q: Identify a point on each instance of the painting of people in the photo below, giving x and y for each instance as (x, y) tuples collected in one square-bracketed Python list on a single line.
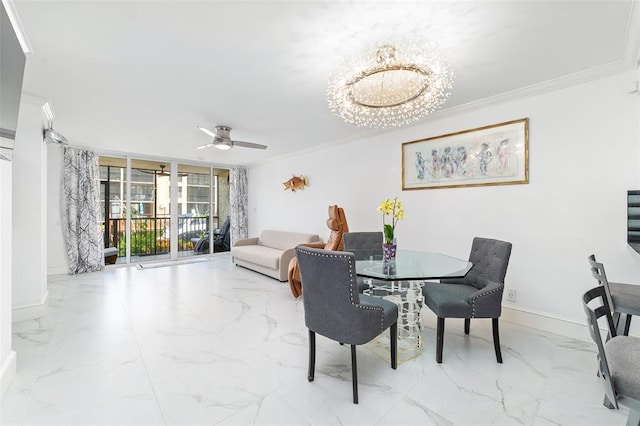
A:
[(490, 155)]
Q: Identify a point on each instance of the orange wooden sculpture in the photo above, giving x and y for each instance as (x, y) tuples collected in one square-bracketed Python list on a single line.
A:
[(337, 223)]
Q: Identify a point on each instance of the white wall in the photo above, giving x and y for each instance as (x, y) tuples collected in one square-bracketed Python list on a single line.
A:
[(583, 153), (7, 355), (29, 206), (57, 261)]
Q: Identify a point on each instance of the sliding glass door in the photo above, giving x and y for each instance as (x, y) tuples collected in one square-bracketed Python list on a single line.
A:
[(158, 210), (150, 211), (113, 203), (197, 206)]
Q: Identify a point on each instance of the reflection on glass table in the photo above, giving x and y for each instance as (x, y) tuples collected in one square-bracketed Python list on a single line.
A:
[(412, 265), (401, 282)]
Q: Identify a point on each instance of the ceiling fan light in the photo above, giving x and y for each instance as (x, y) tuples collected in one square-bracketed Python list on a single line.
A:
[(223, 146)]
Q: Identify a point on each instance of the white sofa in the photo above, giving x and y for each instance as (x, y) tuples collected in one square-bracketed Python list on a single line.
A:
[(271, 252)]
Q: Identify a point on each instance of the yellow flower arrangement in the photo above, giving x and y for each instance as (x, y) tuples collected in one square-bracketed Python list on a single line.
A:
[(392, 208)]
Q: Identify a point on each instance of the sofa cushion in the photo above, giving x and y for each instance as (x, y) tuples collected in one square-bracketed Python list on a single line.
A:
[(285, 240), (260, 255)]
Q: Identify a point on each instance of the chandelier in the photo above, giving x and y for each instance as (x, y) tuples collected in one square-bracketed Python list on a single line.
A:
[(390, 86)]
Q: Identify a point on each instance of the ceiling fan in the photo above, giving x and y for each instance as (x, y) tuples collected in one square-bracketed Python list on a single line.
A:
[(162, 171), (222, 139)]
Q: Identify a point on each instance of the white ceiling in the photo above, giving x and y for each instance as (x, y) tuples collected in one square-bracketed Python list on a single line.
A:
[(140, 76)]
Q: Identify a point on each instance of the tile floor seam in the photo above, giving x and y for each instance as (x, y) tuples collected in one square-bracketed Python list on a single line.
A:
[(144, 364)]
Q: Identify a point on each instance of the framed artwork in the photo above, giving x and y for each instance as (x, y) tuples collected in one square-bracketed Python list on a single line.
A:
[(490, 155)]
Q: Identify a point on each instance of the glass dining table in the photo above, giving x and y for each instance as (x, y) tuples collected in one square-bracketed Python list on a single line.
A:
[(401, 281)]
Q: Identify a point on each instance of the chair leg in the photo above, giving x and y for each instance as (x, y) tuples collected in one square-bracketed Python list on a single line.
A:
[(606, 401), (467, 325), (627, 325), (312, 356), (354, 373), (439, 340), (616, 324), (496, 340), (393, 331), (633, 419)]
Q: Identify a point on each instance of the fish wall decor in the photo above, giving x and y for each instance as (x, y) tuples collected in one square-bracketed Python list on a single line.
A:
[(296, 182)]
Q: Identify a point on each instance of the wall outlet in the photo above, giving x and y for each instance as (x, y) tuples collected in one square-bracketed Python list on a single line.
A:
[(511, 295)]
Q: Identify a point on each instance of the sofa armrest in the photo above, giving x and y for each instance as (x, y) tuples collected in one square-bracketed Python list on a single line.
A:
[(317, 244), (247, 242)]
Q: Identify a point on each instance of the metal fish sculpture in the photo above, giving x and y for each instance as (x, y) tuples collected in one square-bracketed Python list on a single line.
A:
[(296, 182)]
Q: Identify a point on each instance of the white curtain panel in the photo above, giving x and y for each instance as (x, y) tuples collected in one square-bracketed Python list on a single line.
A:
[(238, 198), (81, 211)]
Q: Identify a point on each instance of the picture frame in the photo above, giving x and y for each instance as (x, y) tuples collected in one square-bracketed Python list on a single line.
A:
[(491, 155)]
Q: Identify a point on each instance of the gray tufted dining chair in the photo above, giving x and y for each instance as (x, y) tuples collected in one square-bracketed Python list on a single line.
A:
[(363, 245), (334, 309), (477, 295)]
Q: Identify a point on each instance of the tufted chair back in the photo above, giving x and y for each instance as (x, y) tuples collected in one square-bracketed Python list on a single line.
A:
[(334, 309), (331, 301), (363, 244), (477, 295), (490, 259)]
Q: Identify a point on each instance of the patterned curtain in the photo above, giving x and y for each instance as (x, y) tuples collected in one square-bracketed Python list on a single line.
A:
[(81, 211), (239, 203)]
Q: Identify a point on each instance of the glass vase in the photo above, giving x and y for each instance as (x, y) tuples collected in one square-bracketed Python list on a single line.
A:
[(389, 251)]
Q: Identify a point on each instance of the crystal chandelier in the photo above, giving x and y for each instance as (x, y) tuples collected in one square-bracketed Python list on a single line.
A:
[(390, 86)]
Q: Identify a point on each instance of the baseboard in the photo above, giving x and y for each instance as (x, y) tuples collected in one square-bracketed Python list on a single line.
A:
[(546, 322), (25, 313), (57, 270), (551, 323), (9, 368)]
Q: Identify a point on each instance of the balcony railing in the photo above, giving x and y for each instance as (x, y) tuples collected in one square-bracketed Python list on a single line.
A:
[(151, 235)]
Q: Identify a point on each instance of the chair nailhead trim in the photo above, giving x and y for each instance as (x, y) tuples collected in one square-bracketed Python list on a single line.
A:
[(366, 308), (473, 304)]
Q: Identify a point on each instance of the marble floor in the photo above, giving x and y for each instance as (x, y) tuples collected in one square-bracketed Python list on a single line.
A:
[(210, 343)]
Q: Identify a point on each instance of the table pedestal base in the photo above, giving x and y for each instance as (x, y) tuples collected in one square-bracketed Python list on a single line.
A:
[(407, 295)]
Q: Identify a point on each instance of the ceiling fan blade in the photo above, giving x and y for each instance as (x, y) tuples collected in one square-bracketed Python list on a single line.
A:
[(207, 131), (206, 145), (249, 145)]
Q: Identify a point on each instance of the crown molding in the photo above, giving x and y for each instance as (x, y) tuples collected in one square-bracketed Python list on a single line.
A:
[(564, 82), (34, 100), (632, 36), (18, 28)]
